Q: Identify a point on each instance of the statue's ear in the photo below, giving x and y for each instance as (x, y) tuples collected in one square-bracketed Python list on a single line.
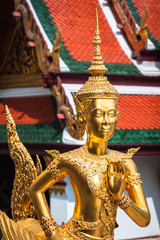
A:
[(117, 116)]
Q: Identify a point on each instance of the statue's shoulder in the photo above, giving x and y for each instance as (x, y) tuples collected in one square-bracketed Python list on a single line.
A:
[(120, 156), (129, 154), (57, 156), (73, 154)]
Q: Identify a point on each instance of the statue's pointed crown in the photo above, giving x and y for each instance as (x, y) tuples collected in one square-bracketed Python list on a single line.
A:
[(97, 85)]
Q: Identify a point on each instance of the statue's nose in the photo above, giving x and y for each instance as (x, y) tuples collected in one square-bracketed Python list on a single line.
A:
[(105, 118)]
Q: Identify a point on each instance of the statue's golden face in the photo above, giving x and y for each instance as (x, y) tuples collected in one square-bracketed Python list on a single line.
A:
[(101, 119)]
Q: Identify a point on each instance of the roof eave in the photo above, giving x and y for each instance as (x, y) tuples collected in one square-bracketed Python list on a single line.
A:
[(39, 148)]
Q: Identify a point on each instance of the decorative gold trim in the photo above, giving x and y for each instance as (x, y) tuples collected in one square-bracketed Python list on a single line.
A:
[(137, 36), (63, 106), (56, 173), (58, 187), (133, 180), (13, 81), (33, 33), (130, 153), (80, 119), (48, 225), (125, 202), (21, 68), (25, 173), (75, 226)]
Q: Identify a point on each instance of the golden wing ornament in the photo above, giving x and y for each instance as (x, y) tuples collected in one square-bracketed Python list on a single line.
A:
[(25, 173)]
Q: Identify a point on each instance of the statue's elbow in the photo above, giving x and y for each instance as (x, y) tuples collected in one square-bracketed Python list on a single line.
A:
[(146, 220)]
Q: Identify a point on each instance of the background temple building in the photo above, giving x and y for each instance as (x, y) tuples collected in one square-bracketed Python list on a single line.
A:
[(46, 50)]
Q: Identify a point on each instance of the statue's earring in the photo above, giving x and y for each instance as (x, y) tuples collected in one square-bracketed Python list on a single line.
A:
[(80, 119), (81, 124)]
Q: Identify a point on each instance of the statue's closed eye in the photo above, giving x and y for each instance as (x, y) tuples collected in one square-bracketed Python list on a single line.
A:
[(97, 112), (112, 113)]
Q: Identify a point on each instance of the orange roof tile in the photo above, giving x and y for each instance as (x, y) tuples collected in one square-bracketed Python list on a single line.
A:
[(77, 23), (139, 120), (139, 112), (154, 15), (136, 111), (28, 110)]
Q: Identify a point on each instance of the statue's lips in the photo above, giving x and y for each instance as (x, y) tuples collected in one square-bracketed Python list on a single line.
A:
[(106, 130)]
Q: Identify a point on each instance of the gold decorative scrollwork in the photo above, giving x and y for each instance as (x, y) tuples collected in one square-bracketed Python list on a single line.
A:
[(21, 59)]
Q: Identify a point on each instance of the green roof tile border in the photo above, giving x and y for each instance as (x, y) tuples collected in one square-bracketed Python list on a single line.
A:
[(135, 136), (74, 65), (51, 133), (137, 17), (33, 133)]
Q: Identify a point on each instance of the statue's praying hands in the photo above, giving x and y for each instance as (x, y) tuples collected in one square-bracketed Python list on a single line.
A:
[(116, 179)]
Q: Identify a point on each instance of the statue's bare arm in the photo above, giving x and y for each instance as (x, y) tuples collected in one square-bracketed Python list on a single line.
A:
[(37, 189), (136, 207), (138, 210)]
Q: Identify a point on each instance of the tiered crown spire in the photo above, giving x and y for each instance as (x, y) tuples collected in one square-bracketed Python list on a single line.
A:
[(97, 68), (97, 86)]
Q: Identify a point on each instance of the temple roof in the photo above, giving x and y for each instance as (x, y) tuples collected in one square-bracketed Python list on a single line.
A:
[(77, 23), (36, 121), (76, 20)]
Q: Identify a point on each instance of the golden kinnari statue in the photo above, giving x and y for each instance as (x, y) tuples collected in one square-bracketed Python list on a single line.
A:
[(99, 176)]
